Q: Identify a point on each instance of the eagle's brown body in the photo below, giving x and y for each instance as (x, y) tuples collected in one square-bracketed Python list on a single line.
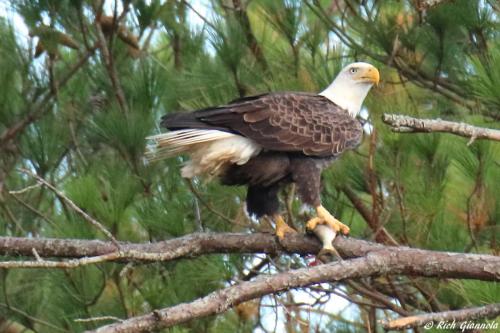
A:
[(298, 135)]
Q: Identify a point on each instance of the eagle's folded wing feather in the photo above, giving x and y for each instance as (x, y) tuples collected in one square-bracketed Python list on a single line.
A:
[(289, 122)]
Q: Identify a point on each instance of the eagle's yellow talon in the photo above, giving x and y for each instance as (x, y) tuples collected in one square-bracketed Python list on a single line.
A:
[(324, 217), (282, 228), (312, 223)]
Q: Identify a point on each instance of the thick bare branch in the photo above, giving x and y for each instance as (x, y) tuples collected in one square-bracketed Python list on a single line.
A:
[(375, 259), (386, 261), (182, 247), (474, 266), (406, 124), (488, 311)]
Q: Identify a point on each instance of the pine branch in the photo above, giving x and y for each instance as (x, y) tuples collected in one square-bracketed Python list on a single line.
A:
[(380, 232), (203, 18), (43, 106), (77, 209), (474, 266), (241, 14), (405, 124), (463, 315), (385, 261), (21, 313), (109, 62), (366, 259), (418, 76), (183, 247)]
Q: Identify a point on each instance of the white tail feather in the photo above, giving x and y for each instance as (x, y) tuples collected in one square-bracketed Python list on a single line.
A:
[(210, 150)]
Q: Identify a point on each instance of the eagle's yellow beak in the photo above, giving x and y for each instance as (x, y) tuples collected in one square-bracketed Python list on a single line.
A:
[(372, 75)]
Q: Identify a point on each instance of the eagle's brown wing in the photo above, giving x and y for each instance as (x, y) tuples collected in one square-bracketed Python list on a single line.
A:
[(289, 122)]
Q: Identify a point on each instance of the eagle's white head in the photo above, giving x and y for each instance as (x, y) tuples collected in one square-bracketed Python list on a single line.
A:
[(351, 86)]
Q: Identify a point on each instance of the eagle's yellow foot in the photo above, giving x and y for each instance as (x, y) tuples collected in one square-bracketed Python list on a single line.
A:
[(282, 228), (324, 217)]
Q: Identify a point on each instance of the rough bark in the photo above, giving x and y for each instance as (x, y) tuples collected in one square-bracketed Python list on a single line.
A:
[(365, 259), (474, 266), (405, 124), (385, 261)]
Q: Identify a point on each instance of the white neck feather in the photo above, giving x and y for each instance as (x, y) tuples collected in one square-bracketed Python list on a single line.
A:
[(347, 95)]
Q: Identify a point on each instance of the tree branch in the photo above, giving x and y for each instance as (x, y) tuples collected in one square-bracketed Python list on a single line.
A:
[(188, 246), (426, 4), (474, 266), (386, 261), (109, 62), (489, 311), (405, 124), (366, 259)]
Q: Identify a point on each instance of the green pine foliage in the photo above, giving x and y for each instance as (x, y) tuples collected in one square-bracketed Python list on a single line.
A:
[(62, 117)]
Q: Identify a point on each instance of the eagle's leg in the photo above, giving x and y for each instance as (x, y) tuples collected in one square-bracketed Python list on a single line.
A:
[(306, 173), (324, 217), (326, 227), (262, 201), (281, 227)]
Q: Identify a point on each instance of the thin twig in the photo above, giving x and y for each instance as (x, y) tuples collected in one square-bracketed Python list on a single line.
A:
[(85, 261), (380, 232), (113, 75), (86, 320), (33, 209), (210, 208), (26, 189), (31, 318), (378, 297), (203, 18), (77, 209)]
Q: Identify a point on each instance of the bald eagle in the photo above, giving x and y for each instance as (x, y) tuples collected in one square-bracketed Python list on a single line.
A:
[(273, 139)]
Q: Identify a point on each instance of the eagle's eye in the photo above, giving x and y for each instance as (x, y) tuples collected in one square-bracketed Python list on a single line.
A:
[(353, 70)]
